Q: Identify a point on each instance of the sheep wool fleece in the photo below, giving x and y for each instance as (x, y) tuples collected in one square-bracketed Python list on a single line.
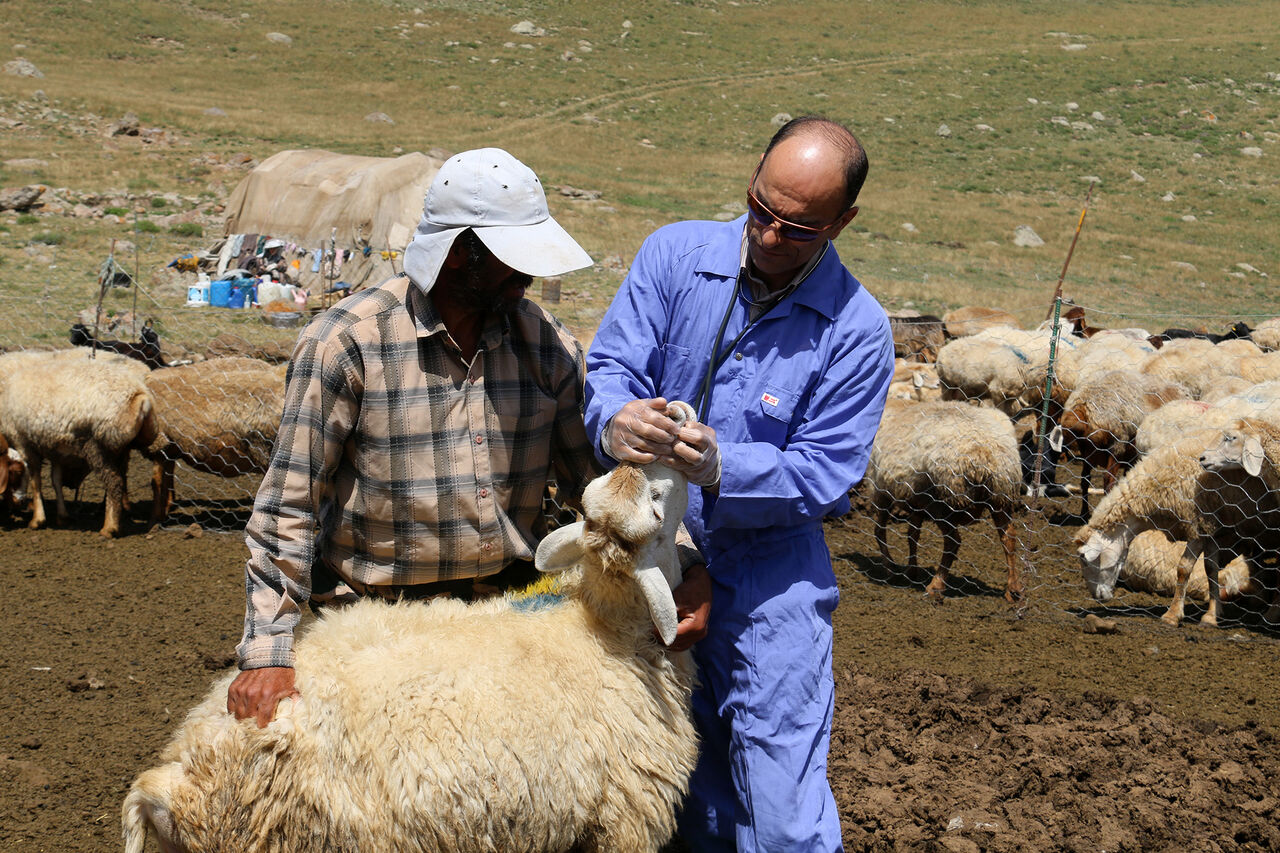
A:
[(795, 406)]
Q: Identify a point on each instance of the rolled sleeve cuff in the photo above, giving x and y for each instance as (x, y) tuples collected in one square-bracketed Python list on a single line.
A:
[(266, 651)]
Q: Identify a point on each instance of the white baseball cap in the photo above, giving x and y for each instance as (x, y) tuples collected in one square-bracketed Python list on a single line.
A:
[(501, 199)]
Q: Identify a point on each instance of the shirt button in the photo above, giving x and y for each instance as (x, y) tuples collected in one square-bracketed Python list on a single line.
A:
[(479, 439), (484, 493), (488, 546), (737, 356)]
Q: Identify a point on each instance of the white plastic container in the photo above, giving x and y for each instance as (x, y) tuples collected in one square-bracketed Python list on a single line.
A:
[(198, 293)]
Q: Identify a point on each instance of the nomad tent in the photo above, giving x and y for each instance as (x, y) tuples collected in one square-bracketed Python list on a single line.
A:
[(345, 219)]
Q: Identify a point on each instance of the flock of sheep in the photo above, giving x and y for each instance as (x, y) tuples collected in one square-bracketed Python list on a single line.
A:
[(84, 410), (387, 749), (1185, 434)]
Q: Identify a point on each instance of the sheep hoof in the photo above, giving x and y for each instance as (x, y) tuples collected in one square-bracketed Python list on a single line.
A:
[(934, 593), (1207, 621), (1171, 618), (1014, 595)]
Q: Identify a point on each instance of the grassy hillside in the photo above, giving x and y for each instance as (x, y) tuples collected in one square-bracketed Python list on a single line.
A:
[(662, 107)]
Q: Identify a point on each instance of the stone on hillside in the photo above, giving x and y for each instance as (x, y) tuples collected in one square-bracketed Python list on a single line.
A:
[(985, 128), (1167, 197), (1075, 46), (943, 131), (1091, 179), (1026, 237), (21, 68), (215, 111), (1072, 106), (1251, 151), (528, 28), (1190, 217), (127, 126), (780, 119), (1097, 116), (1136, 178), (1183, 265), (20, 198), (379, 117), (279, 38), (910, 228), (1081, 125)]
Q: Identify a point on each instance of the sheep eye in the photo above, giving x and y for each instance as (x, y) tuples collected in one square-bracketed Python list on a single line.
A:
[(655, 493)]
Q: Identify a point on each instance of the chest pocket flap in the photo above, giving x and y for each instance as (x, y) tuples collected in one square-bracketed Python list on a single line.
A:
[(778, 403)]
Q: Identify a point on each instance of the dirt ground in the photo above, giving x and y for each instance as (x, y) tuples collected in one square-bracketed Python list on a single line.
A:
[(961, 727)]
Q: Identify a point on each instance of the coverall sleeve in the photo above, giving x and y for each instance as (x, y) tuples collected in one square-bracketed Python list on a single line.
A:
[(762, 485), (321, 407)]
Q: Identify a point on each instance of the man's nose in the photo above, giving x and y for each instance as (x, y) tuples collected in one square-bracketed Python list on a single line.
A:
[(770, 235)]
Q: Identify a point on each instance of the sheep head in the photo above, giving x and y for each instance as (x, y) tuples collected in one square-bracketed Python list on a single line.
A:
[(1235, 449), (631, 517), (1101, 558)]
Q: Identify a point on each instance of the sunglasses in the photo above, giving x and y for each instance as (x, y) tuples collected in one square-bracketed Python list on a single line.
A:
[(764, 217)]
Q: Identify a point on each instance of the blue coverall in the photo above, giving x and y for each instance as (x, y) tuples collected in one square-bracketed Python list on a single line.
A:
[(795, 405)]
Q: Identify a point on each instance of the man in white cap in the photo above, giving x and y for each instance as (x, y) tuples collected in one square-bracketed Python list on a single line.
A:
[(422, 420)]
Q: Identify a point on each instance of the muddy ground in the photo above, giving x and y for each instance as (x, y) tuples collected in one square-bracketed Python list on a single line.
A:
[(961, 727)]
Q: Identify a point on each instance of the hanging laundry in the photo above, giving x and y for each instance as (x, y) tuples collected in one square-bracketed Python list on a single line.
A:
[(337, 262), (315, 259)]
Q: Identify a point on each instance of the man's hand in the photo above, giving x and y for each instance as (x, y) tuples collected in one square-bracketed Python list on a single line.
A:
[(697, 455), (693, 607), (640, 432), (255, 692)]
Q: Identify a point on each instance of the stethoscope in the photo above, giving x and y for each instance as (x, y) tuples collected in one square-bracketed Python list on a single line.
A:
[(702, 402)]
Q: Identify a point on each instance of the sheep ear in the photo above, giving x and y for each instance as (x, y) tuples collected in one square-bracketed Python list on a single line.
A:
[(1055, 438), (1252, 456), (662, 607), (560, 549)]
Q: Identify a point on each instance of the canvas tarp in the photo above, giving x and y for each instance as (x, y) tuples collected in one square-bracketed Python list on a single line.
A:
[(301, 196)]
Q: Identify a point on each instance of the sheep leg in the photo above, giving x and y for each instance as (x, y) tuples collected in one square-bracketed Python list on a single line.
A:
[(161, 490), (1003, 522), (35, 488), (111, 470), (1086, 471), (882, 533), (1173, 616), (55, 474), (1212, 561), (914, 522), (950, 548)]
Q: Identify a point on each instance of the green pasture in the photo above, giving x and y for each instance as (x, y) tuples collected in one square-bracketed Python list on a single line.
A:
[(662, 107)]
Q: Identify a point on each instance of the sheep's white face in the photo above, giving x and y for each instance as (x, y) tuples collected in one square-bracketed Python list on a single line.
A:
[(1234, 450), (1100, 565)]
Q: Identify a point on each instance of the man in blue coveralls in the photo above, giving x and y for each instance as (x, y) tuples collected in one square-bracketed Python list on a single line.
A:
[(787, 359)]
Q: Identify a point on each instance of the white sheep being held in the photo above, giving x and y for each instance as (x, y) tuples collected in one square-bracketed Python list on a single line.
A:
[(476, 728)]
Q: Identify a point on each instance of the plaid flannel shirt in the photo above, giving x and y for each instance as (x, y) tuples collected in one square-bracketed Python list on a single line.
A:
[(397, 463)]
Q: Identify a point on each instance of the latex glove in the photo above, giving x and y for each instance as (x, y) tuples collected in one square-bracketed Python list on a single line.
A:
[(697, 455), (640, 432)]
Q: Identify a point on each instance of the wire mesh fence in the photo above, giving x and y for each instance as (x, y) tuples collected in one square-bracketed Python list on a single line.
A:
[(1083, 492)]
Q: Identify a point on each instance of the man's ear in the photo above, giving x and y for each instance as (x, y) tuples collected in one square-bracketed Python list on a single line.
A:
[(844, 220)]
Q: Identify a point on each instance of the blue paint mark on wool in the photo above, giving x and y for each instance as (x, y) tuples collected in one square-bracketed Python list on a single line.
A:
[(534, 603)]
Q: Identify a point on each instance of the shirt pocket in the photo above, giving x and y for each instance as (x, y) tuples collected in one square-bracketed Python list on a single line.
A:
[(770, 414)]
